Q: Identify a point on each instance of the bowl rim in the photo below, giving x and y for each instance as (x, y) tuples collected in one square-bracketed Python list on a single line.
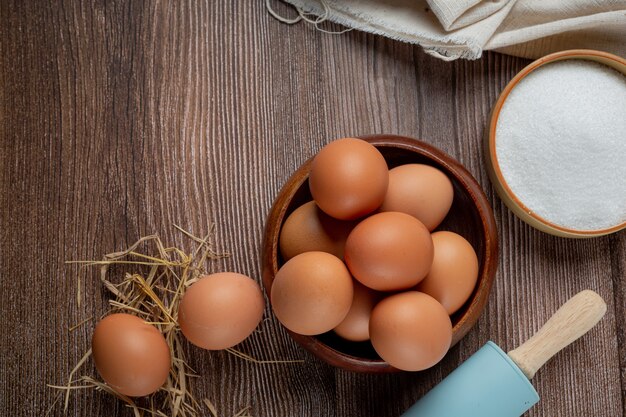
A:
[(493, 166), (489, 263)]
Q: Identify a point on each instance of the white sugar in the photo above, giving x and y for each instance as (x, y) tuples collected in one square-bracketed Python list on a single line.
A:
[(561, 144)]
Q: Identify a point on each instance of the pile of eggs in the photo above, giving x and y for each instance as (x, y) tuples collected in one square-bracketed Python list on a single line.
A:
[(362, 259), (216, 312)]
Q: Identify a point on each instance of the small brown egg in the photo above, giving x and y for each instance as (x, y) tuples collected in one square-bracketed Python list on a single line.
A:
[(131, 356), (453, 274), (312, 293), (410, 330), (348, 178), (310, 229), (355, 326), (422, 191), (220, 310), (389, 251)]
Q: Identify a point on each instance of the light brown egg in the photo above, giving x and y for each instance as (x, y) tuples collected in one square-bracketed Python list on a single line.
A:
[(312, 293), (453, 274), (220, 310), (131, 356), (310, 229), (389, 251), (420, 190), (410, 330), (355, 326), (348, 178)]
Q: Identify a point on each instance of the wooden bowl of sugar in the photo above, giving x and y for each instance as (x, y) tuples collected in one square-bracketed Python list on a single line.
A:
[(556, 147)]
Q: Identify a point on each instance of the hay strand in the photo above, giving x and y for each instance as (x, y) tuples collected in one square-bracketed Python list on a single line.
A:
[(80, 363), (252, 359), (76, 326), (211, 407)]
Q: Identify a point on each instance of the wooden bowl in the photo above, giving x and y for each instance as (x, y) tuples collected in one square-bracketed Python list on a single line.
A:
[(493, 167), (470, 216)]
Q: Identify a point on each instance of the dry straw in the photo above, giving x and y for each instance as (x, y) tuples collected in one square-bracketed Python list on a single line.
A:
[(154, 295)]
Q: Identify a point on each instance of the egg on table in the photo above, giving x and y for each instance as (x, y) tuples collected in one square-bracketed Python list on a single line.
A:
[(220, 310), (131, 356)]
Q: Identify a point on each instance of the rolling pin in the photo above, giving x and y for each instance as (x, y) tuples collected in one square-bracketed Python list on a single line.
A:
[(492, 383)]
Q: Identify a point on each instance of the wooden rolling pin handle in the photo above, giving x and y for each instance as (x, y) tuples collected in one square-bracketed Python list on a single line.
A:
[(575, 318)]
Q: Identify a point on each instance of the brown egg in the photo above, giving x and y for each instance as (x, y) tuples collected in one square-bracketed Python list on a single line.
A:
[(453, 274), (310, 229), (355, 326), (410, 330), (389, 251), (348, 178), (220, 310), (131, 356), (312, 293), (420, 190)]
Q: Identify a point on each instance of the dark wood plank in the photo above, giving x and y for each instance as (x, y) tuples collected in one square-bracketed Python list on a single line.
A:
[(119, 119)]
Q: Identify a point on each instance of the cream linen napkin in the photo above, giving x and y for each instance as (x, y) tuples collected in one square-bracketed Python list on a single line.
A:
[(452, 29)]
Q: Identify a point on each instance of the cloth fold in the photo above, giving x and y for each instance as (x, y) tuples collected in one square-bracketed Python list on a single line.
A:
[(452, 29), (457, 14)]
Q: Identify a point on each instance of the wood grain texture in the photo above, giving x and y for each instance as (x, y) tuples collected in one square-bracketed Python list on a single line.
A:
[(119, 119)]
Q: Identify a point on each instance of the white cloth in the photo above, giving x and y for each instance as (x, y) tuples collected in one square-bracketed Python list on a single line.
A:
[(451, 29)]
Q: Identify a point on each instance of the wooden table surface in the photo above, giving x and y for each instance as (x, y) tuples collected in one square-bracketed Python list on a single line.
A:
[(120, 119)]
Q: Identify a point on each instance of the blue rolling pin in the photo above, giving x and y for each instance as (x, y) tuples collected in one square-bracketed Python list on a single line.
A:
[(492, 383)]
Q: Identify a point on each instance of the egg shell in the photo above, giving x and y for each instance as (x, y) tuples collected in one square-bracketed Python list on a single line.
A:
[(355, 327), (310, 229), (453, 274), (389, 251), (312, 293), (348, 178), (220, 310), (410, 330), (420, 190), (131, 356)]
